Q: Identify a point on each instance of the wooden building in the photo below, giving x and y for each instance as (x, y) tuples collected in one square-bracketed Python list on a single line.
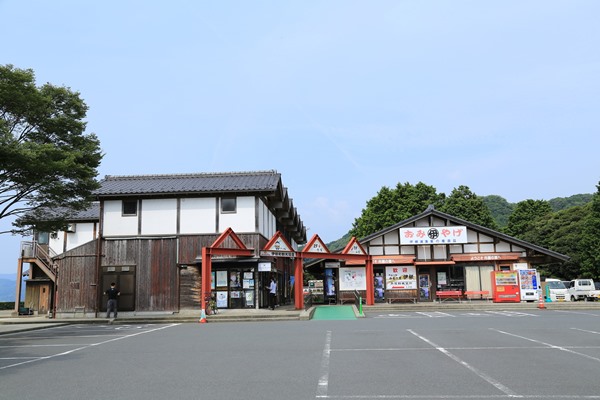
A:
[(146, 233), (427, 257)]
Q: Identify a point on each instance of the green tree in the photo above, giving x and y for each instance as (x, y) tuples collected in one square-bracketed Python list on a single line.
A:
[(525, 213), (590, 258), (500, 209), (562, 203), (561, 232), (463, 203), (391, 206), (47, 162)]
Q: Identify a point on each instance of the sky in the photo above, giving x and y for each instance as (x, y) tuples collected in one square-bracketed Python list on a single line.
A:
[(341, 97)]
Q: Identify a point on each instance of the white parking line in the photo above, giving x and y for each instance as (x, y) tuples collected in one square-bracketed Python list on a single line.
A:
[(477, 372), (512, 313), (584, 330), (435, 314), (86, 346), (323, 385), (547, 344), (577, 312)]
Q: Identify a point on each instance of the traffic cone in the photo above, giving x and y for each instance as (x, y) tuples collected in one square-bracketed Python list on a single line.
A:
[(541, 304), (202, 317)]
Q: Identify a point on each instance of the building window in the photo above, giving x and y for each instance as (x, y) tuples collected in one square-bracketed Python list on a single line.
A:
[(228, 204), (130, 207)]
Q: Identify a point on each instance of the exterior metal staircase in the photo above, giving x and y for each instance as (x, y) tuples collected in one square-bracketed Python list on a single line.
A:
[(34, 253)]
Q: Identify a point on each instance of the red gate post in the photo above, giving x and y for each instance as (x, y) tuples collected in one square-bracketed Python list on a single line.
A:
[(370, 281), (298, 282)]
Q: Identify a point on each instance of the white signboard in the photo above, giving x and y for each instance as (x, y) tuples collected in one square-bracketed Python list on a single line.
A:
[(353, 278), (433, 235), (401, 277), (222, 299), (264, 267)]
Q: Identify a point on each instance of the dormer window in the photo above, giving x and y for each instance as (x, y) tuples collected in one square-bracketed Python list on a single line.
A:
[(228, 204), (129, 207)]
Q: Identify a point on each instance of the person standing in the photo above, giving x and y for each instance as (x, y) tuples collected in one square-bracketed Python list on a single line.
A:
[(272, 293), (112, 293)]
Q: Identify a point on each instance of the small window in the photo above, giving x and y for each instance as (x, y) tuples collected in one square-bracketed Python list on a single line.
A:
[(129, 207), (228, 204)]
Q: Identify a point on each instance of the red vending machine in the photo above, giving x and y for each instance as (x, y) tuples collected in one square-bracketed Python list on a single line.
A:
[(505, 287)]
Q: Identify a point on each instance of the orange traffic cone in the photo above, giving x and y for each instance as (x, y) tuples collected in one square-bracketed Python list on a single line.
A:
[(541, 304), (202, 317)]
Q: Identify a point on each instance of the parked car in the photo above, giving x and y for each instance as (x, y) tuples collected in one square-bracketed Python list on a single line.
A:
[(583, 289), (555, 290)]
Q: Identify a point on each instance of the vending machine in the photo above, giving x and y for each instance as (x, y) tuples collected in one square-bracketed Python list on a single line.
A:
[(529, 283), (505, 287)]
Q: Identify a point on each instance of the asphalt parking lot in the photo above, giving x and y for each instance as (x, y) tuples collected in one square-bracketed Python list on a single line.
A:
[(500, 354)]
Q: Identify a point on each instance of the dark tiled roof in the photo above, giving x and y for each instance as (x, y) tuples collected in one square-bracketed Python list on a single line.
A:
[(234, 182), (90, 214)]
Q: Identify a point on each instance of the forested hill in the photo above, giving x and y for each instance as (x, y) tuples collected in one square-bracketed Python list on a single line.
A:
[(501, 208)]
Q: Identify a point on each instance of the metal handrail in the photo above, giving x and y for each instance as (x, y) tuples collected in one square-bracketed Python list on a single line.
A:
[(38, 252)]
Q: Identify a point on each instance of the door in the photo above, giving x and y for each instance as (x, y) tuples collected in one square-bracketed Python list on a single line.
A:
[(424, 287), (126, 284), (379, 287), (44, 299)]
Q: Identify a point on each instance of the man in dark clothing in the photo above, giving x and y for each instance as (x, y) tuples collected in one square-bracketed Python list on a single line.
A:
[(112, 294)]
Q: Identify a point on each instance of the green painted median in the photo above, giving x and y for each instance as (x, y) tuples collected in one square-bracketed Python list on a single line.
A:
[(334, 313)]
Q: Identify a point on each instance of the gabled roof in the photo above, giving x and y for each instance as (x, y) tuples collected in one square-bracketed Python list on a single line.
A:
[(431, 211), (207, 183)]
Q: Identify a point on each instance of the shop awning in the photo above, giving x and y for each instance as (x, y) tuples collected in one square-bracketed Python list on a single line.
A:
[(418, 263), (397, 259), (486, 257)]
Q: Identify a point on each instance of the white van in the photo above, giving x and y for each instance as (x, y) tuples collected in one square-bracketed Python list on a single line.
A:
[(555, 290)]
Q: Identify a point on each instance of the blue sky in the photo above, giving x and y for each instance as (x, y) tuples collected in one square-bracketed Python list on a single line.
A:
[(341, 97)]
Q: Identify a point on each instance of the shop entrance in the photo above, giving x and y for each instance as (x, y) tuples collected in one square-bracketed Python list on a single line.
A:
[(424, 287), (379, 284)]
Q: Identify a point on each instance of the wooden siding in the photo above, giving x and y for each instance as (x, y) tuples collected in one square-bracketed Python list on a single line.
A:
[(156, 280), (190, 288), (77, 279), (160, 283)]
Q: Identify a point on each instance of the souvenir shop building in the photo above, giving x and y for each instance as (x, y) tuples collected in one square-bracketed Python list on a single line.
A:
[(427, 254)]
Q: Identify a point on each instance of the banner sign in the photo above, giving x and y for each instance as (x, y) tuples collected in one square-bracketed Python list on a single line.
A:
[(433, 235), (401, 277)]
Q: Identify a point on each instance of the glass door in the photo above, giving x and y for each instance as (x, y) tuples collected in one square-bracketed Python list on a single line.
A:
[(424, 287)]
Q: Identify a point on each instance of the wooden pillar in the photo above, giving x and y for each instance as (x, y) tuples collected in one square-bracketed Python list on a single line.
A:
[(299, 282), (19, 283), (370, 282)]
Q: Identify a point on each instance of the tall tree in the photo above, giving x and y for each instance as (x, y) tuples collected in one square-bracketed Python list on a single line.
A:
[(590, 262), (525, 213), (47, 162), (465, 204), (561, 232), (500, 209), (391, 206)]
